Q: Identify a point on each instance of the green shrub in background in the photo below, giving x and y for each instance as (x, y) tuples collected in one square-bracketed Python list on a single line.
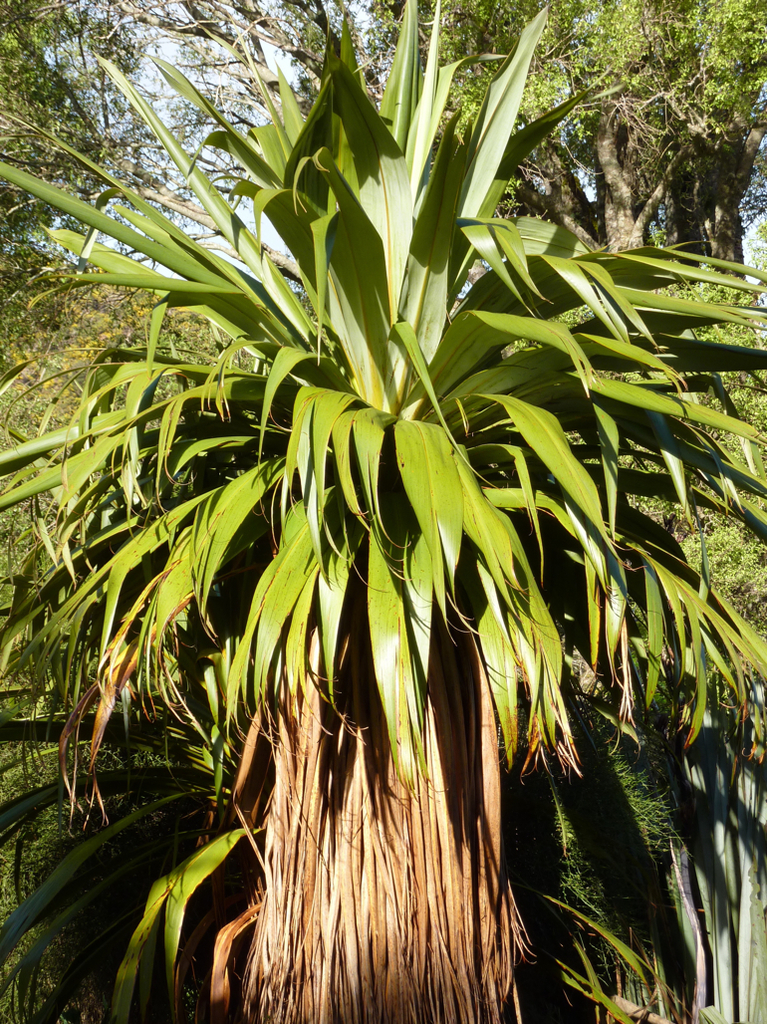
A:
[(74, 980), (53, 333)]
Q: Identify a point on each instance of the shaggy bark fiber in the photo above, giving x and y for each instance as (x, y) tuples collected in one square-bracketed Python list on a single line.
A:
[(384, 903)]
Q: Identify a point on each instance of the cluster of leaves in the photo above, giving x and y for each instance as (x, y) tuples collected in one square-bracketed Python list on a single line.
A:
[(102, 880), (49, 337), (472, 456)]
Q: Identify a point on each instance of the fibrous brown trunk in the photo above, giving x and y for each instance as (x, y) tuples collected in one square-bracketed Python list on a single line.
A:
[(382, 902)]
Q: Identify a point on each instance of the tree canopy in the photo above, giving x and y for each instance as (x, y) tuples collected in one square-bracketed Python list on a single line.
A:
[(675, 143), (667, 144)]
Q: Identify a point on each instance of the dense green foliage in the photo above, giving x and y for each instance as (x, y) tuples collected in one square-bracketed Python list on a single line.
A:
[(672, 148), (51, 84), (672, 151), (398, 504)]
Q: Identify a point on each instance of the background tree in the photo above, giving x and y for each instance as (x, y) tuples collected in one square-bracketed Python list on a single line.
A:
[(676, 147), (51, 82), (53, 91)]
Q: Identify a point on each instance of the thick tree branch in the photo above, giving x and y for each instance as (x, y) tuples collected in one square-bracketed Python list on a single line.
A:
[(652, 204), (751, 146), (554, 208)]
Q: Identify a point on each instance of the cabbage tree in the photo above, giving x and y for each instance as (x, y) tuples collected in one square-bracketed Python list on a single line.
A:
[(364, 555)]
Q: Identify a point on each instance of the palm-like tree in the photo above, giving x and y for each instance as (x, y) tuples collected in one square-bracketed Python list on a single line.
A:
[(384, 528)]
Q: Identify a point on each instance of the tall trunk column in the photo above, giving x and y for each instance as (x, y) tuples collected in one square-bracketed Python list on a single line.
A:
[(384, 904)]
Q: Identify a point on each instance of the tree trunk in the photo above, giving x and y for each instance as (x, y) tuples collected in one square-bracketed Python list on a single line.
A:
[(695, 191), (734, 162), (681, 220), (618, 196), (384, 903)]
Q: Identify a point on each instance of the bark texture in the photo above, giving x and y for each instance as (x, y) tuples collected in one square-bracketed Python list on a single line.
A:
[(383, 903)]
